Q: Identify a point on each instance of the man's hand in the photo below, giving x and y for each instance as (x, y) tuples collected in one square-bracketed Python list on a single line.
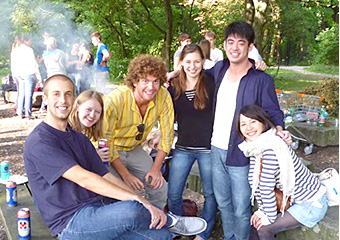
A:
[(285, 135), (256, 221), (158, 218), (133, 182), (156, 178), (260, 65)]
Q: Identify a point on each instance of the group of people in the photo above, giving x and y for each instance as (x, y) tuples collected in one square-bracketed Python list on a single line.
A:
[(225, 115), (30, 71)]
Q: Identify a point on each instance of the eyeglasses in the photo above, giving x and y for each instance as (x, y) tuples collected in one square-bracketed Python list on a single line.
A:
[(140, 129)]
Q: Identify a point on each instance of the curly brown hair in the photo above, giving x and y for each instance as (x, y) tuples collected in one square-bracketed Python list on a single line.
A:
[(144, 65)]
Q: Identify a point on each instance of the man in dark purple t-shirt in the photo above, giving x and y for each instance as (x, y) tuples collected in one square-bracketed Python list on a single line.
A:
[(75, 193)]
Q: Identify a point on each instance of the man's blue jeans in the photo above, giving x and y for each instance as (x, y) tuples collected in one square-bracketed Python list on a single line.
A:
[(128, 220), (26, 90), (232, 192), (180, 167)]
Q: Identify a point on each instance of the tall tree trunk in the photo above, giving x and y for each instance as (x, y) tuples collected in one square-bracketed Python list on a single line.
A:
[(168, 33), (256, 14)]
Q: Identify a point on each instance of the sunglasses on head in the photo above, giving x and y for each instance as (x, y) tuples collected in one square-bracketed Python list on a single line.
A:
[(140, 129)]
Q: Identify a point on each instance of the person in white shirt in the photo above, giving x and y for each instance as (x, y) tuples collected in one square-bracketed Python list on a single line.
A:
[(184, 39), (215, 53), (25, 68)]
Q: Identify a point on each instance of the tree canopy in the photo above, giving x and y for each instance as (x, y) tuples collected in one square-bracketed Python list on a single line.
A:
[(287, 31)]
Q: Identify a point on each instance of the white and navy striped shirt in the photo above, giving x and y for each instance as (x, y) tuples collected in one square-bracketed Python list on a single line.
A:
[(306, 184)]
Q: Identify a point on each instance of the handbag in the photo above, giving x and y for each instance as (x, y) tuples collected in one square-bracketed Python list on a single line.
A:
[(189, 208), (278, 194), (330, 179)]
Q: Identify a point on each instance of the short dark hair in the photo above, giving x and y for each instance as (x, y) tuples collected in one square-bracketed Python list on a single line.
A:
[(257, 113), (96, 35), (54, 77), (242, 29)]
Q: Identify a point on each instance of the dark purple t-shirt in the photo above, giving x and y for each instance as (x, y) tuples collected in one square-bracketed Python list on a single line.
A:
[(48, 154)]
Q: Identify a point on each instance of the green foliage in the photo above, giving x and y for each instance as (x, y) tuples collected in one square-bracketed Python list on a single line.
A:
[(291, 81), (327, 49), (322, 68), (329, 90)]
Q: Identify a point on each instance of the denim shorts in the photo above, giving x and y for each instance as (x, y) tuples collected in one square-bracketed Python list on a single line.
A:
[(309, 213)]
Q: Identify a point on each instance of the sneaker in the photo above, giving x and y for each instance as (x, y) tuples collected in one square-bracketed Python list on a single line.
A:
[(187, 226)]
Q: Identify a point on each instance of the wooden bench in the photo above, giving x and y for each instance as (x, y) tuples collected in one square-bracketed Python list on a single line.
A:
[(39, 230)]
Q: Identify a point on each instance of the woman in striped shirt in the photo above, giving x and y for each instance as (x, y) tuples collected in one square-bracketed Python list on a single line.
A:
[(192, 94), (274, 164)]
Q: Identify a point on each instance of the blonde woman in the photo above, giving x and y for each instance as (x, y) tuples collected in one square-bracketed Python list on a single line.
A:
[(87, 117)]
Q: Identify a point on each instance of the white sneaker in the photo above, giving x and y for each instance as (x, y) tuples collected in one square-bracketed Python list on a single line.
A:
[(187, 226)]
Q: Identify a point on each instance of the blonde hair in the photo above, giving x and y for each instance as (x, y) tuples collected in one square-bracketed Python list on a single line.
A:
[(51, 43), (96, 131)]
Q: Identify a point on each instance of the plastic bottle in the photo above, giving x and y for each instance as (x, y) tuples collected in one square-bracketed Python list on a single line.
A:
[(322, 117)]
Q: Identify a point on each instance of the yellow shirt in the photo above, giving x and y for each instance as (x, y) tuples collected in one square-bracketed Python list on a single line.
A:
[(122, 116)]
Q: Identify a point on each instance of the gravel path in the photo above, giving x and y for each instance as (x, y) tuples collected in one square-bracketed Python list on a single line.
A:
[(300, 69)]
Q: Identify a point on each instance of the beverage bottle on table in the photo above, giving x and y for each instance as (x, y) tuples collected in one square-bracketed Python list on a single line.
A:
[(322, 117)]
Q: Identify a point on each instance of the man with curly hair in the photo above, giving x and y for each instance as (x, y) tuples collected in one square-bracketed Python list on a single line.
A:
[(130, 113)]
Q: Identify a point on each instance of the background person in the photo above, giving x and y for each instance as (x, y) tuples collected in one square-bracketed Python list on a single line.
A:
[(274, 164), (74, 65), (101, 70), (26, 70), (86, 66), (184, 39), (87, 116), (205, 46), (192, 93), (215, 53)]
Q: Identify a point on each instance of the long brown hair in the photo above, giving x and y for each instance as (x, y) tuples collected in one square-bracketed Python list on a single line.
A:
[(179, 83), (96, 131)]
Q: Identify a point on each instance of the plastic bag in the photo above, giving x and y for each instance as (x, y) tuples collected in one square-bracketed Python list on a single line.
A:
[(330, 179)]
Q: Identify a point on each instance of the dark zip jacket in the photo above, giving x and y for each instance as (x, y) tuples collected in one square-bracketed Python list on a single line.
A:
[(256, 87)]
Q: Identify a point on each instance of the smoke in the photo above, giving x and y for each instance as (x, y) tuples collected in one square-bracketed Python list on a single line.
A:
[(33, 17)]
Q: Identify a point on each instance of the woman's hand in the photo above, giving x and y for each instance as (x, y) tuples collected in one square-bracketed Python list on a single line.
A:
[(104, 154), (256, 221), (260, 65)]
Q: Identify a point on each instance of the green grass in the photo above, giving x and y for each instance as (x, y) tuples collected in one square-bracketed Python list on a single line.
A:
[(327, 69), (291, 81)]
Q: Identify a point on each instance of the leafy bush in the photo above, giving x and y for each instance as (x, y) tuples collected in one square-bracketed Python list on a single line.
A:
[(329, 90), (327, 49)]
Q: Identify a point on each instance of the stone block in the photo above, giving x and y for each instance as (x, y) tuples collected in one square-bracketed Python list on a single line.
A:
[(326, 229), (320, 136)]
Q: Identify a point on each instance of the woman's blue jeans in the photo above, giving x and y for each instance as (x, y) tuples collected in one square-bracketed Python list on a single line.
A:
[(118, 220), (180, 167), (26, 90), (232, 192)]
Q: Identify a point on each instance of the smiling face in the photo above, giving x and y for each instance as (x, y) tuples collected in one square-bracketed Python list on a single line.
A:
[(237, 48), (250, 128), (89, 112), (59, 97), (192, 64), (145, 90)]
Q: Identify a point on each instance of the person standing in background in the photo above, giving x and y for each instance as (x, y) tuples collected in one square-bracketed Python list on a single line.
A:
[(215, 53), (101, 70), (205, 46), (184, 39), (86, 66), (54, 58), (25, 68), (74, 65)]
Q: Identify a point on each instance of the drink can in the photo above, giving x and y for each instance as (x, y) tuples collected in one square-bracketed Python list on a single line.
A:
[(5, 170), (102, 143), (24, 224), (11, 193)]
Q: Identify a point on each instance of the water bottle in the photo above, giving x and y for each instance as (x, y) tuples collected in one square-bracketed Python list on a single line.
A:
[(322, 117)]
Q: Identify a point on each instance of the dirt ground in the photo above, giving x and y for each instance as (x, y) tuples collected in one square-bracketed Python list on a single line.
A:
[(14, 130)]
